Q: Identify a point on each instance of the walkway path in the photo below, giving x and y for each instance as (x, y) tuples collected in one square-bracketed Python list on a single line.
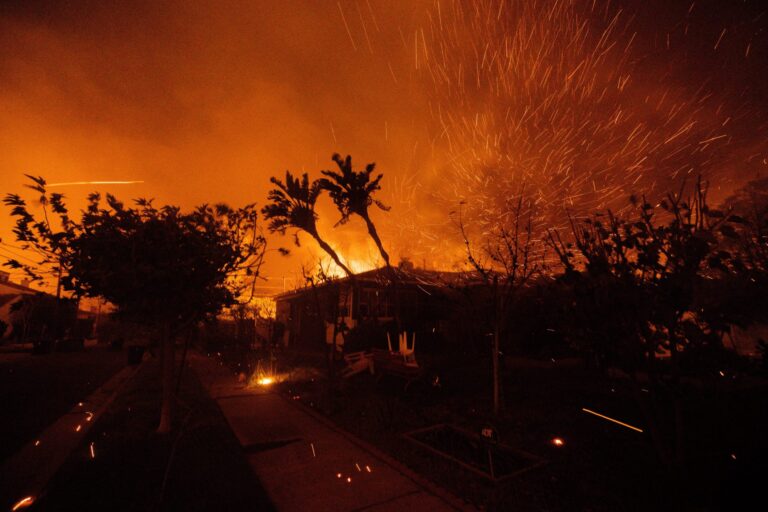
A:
[(307, 464)]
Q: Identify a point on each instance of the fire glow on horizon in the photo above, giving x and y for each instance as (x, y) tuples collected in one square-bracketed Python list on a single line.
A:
[(582, 102)]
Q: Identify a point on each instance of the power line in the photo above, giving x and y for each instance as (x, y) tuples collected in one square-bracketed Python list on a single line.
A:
[(9, 253)]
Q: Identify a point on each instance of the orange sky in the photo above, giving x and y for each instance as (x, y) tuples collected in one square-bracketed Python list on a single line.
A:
[(204, 101)]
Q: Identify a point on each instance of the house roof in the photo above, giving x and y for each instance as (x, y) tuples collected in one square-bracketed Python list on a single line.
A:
[(418, 277), (11, 287)]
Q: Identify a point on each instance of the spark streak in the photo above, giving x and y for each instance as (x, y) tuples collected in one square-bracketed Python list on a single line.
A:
[(72, 183), (549, 94), (611, 419), (23, 503)]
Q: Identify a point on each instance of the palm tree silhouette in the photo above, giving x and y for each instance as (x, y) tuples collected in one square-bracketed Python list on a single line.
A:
[(293, 206), (352, 192)]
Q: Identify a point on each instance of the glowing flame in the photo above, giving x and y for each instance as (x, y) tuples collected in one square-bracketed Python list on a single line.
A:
[(265, 381), (558, 442)]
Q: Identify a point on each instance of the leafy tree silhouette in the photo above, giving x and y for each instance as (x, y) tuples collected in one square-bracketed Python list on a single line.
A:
[(293, 206), (49, 236), (635, 284), (508, 262), (164, 268)]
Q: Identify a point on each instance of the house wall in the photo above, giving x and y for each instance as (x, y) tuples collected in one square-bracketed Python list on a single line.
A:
[(11, 293), (421, 311)]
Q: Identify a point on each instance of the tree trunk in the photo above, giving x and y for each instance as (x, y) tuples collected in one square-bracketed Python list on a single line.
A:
[(375, 235), (166, 364), (57, 306), (647, 407), (329, 250), (497, 312), (495, 364), (396, 310), (679, 434), (182, 364)]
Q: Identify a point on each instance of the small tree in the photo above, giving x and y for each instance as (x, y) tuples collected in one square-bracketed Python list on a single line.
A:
[(49, 236), (165, 268), (506, 265), (636, 295)]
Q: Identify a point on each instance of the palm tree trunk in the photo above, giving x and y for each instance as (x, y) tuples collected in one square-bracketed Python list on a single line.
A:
[(329, 250), (393, 276), (375, 235)]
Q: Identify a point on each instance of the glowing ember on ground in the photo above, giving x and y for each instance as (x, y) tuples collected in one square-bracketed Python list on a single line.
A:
[(368, 468), (313, 449), (338, 475), (93, 451), (558, 442), (78, 428), (23, 503), (265, 381), (349, 479), (37, 442)]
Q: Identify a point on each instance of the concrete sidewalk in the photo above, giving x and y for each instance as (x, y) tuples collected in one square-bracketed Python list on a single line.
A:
[(305, 463)]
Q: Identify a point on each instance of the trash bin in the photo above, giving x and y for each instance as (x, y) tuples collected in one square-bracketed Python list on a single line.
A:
[(135, 354)]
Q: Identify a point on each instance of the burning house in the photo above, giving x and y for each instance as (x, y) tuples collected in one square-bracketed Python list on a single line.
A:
[(364, 309)]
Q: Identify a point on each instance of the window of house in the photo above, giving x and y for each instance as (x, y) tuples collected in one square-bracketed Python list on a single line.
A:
[(374, 303)]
